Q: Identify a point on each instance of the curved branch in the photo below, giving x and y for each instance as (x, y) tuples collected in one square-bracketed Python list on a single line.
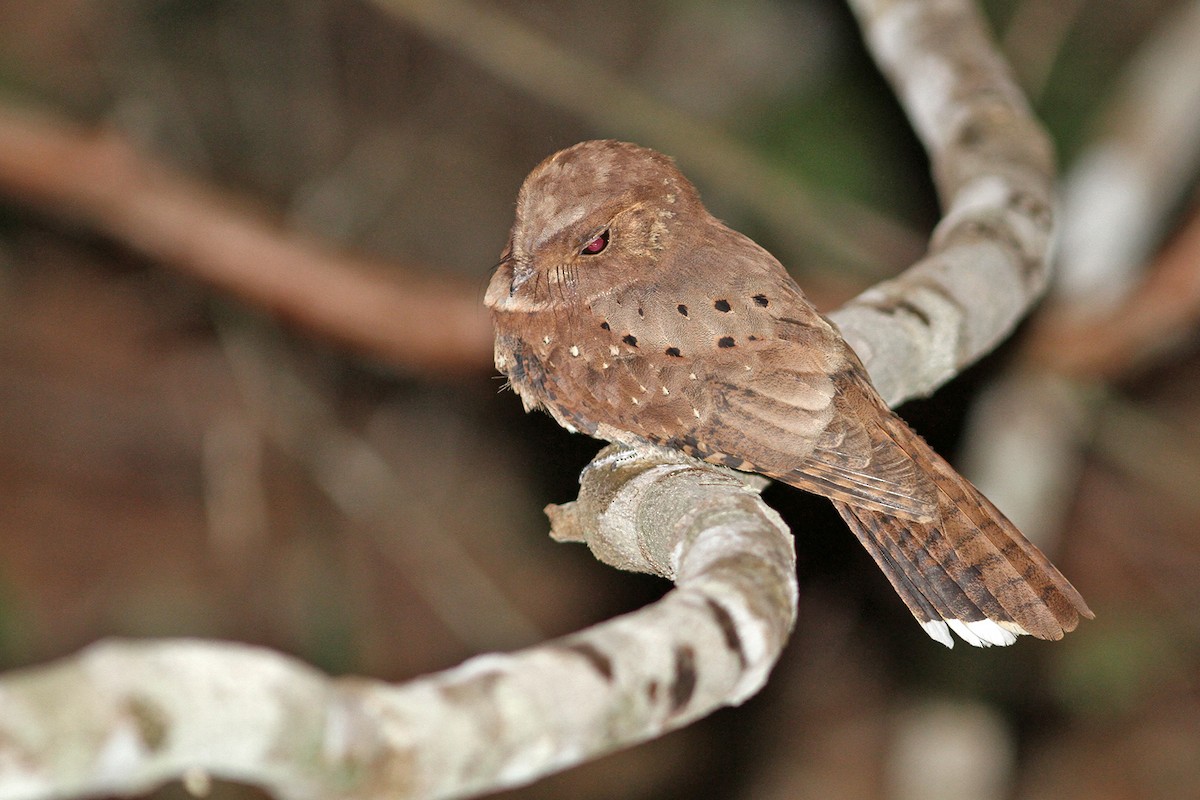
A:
[(992, 163), (143, 713)]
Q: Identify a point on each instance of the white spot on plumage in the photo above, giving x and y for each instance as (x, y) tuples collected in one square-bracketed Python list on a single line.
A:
[(665, 391), (635, 401), (613, 350), (575, 350), (696, 413), (691, 376), (545, 340)]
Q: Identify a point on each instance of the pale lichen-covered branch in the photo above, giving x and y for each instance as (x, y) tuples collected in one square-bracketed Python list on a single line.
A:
[(122, 717), (993, 167)]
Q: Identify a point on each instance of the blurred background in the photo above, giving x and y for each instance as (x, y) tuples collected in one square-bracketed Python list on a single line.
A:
[(219, 417)]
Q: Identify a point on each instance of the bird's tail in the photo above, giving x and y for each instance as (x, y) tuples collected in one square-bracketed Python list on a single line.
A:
[(969, 570)]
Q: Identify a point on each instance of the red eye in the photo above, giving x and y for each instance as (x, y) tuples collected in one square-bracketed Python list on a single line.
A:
[(595, 245)]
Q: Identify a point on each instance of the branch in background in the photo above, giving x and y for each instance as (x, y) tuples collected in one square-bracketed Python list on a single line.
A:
[(1161, 314), (993, 168), (427, 323), (143, 713), (1024, 443), (856, 238), (1119, 196)]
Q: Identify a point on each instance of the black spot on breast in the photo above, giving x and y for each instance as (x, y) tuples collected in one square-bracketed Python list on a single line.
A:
[(682, 309), (752, 338), (629, 339), (673, 352), (605, 326), (641, 311), (733, 462), (726, 341), (722, 306), (761, 300)]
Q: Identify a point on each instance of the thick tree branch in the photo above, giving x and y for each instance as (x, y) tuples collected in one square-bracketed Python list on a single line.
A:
[(992, 164), (143, 713)]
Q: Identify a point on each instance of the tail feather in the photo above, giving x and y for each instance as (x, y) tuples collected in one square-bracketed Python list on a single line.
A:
[(929, 607), (967, 569)]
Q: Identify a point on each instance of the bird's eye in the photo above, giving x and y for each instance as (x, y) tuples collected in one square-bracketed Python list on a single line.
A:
[(596, 245)]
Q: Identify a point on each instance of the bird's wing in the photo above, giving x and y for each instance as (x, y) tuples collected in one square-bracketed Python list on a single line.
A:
[(859, 460)]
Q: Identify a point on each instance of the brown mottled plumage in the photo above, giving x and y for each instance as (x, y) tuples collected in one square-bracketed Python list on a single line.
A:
[(628, 312)]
